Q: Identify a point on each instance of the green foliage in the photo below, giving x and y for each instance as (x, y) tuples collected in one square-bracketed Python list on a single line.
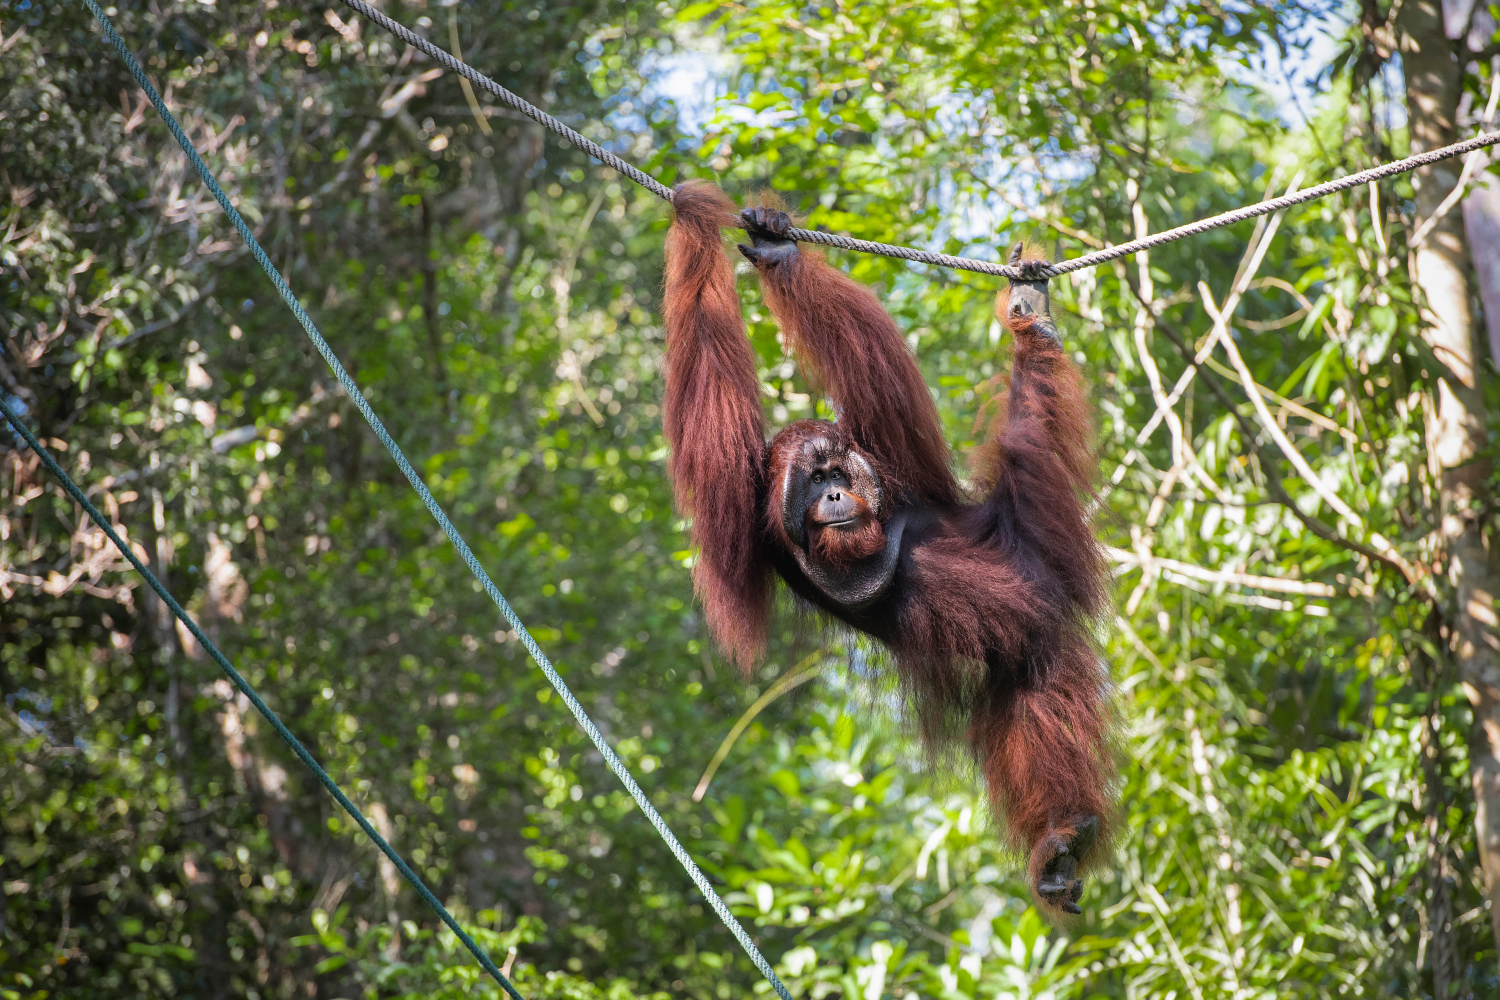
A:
[(1295, 787), (1297, 765)]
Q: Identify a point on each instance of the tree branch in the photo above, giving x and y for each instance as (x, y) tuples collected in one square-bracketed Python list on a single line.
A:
[(1269, 422), (1274, 486)]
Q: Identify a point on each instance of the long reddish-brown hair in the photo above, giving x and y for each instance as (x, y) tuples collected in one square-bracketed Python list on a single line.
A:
[(713, 420), (994, 601)]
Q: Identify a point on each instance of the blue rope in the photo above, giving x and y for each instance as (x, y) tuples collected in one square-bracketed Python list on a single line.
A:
[(249, 692), (610, 757)]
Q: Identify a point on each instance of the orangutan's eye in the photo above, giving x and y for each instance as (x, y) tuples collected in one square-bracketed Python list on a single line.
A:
[(817, 477)]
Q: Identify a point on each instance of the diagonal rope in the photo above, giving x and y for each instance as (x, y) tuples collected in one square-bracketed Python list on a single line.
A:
[(610, 757), (239, 681), (1088, 260)]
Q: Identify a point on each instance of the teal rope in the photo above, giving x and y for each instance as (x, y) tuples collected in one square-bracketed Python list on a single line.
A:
[(249, 692), (610, 757)]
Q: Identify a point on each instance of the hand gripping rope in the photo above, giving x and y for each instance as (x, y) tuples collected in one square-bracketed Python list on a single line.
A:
[(467, 554), (659, 189)]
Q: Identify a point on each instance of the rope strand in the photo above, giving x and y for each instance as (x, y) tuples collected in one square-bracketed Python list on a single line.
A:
[(462, 547), (659, 189)]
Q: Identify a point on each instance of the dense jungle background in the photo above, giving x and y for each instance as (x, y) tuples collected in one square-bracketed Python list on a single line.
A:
[(1295, 422)]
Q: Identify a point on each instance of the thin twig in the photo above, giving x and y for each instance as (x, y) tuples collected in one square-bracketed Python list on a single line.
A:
[(463, 81), (786, 682), (1387, 554), (1269, 422), (1255, 252), (562, 287), (1280, 585)]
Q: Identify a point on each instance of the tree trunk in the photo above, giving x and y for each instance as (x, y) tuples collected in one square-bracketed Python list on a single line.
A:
[(1482, 225), (1456, 431), (1447, 970)]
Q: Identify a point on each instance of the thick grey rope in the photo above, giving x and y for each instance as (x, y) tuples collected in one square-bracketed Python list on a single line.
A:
[(1277, 204), (911, 253), (467, 554), (249, 692)]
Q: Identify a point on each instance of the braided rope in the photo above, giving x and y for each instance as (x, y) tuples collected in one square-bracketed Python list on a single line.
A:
[(462, 547), (659, 189), (1277, 204)]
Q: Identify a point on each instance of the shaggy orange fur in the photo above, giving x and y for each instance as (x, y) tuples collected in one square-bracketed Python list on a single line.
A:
[(991, 605)]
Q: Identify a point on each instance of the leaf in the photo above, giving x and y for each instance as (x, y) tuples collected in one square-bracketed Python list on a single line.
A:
[(330, 964)]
